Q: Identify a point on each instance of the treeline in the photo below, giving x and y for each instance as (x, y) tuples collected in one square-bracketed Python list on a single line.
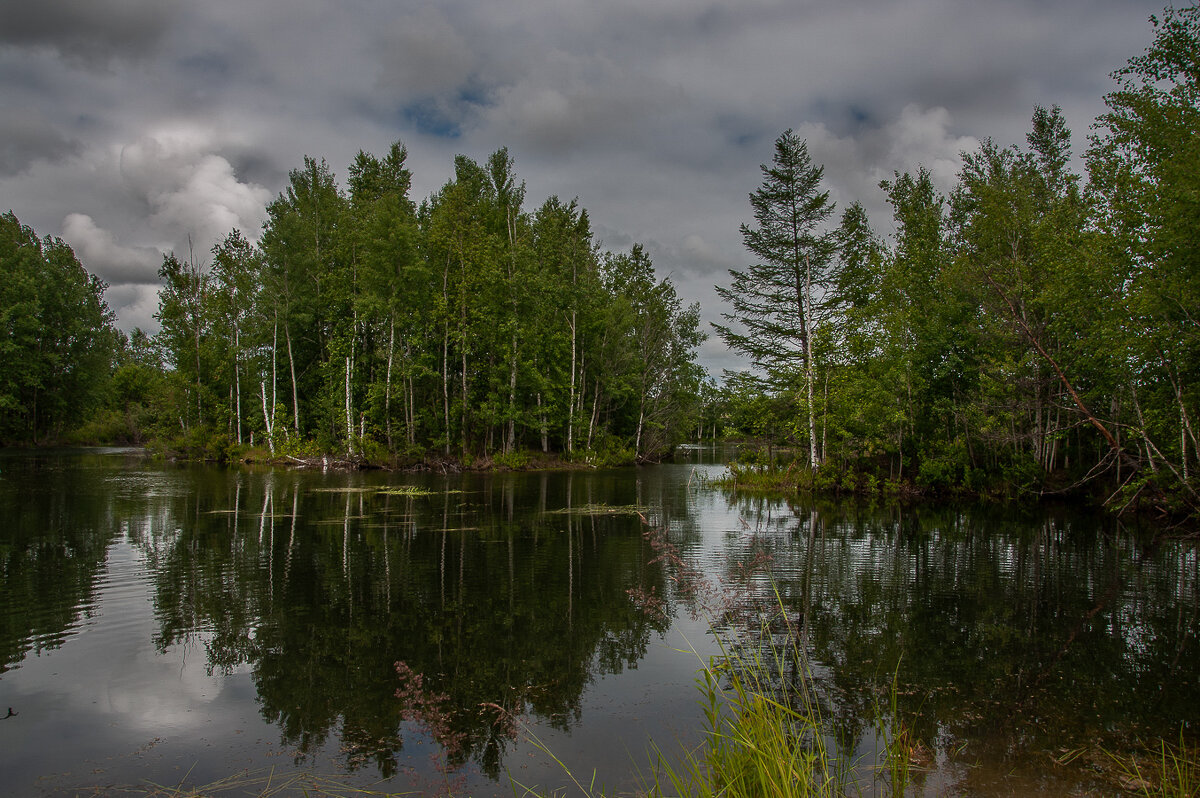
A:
[(364, 325), (1029, 332), (57, 341)]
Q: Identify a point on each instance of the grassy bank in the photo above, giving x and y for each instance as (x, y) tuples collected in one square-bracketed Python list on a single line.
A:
[(368, 454), (785, 471)]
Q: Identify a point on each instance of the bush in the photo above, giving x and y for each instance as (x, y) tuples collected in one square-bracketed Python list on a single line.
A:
[(515, 460), (611, 452)]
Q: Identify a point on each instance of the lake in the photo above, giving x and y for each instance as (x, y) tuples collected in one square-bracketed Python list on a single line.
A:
[(183, 624)]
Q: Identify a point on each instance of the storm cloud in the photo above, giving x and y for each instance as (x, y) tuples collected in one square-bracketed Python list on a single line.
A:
[(132, 127)]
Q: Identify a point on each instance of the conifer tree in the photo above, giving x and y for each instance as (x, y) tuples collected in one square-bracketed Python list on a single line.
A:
[(775, 301)]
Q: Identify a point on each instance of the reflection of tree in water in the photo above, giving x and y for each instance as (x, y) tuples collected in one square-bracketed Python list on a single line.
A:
[(1006, 633), (58, 526), (322, 593)]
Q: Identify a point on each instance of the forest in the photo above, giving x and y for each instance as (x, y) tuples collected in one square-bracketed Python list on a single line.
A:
[(1028, 333), (364, 325), (1034, 331)]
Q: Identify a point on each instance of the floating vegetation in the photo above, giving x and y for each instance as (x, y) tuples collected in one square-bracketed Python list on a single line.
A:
[(391, 490), (600, 509), (409, 490)]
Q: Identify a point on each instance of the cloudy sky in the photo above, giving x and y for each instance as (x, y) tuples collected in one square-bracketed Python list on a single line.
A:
[(130, 126)]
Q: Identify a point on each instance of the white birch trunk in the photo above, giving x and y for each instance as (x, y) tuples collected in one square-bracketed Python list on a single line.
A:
[(387, 385), (808, 365), (267, 417), (571, 402), (287, 333), (349, 415)]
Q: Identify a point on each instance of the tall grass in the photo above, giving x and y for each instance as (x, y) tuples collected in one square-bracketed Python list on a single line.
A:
[(758, 743), (1169, 772), (763, 734)]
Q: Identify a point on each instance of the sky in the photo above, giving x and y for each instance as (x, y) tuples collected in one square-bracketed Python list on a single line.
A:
[(131, 128)]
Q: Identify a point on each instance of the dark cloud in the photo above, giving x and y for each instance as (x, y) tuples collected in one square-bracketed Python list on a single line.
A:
[(656, 116), (26, 137), (89, 31)]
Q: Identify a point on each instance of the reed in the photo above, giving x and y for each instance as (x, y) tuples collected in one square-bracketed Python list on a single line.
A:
[(1171, 771), (764, 735)]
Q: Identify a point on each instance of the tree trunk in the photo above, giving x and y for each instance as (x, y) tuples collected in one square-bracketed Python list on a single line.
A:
[(349, 415), (199, 410), (637, 441), (287, 334), (274, 374), (808, 365), (595, 409), (446, 382), (571, 401), (237, 381), (542, 422), (511, 439), (387, 384), (267, 418)]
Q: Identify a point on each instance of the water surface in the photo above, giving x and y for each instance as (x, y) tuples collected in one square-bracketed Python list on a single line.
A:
[(183, 623)]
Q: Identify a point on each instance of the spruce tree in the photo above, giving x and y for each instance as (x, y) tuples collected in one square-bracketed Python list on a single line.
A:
[(775, 301)]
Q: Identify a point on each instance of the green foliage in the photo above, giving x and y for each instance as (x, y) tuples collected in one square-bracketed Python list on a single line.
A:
[(374, 328), (1024, 334), (515, 460), (1168, 772), (57, 340)]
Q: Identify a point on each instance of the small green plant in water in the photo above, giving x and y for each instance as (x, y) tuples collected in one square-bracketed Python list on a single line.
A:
[(758, 743), (899, 746), (1171, 772)]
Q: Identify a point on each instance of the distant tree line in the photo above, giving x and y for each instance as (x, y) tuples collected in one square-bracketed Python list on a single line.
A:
[(1027, 332), (365, 325)]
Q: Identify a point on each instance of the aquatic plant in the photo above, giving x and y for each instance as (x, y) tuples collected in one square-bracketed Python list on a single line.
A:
[(1170, 771)]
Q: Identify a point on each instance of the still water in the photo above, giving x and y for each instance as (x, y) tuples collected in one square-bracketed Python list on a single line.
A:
[(174, 624)]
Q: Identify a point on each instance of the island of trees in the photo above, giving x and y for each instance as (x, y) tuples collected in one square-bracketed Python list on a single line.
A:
[(464, 329), (1029, 332)]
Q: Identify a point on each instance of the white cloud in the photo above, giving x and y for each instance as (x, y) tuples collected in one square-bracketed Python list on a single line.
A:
[(190, 190), (135, 305), (922, 137), (99, 251)]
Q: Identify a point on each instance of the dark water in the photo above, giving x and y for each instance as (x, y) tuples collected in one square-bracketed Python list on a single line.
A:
[(182, 624)]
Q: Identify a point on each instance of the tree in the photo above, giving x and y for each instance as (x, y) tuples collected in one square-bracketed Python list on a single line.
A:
[(509, 198), (1144, 166), (57, 340), (303, 244), (775, 301), (661, 338), (1020, 224), (385, 246), (184, 326), (567, 286), (863, 413), (235, 275)]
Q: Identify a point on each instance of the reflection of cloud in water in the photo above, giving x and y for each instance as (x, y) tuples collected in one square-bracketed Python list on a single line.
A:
[(115, 665)]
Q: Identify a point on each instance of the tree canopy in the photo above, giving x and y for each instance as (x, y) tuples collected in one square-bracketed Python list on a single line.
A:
[(1026, 333)]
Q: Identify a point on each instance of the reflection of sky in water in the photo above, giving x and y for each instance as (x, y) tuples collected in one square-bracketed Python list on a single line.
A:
[(106, 699), (106, 706)]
